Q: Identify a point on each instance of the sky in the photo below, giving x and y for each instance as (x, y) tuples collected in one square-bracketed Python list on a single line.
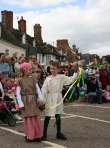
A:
[(85, 23)]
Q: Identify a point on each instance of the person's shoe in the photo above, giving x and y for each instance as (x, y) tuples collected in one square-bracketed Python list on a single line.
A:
[(44, 138), (37, 140), (61, 136), (28, 140)]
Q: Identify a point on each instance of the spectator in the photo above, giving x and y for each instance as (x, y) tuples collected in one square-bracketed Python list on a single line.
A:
[(4, 66), (106, 93), (104, 79), (93, 90)]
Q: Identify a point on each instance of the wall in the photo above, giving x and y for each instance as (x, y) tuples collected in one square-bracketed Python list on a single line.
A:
[(45, 59), (12, 48), (62, 44)]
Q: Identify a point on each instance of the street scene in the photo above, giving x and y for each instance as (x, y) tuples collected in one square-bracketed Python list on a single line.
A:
[(55, 74)]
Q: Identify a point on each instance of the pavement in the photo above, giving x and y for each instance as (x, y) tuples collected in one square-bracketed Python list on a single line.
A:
[(85, 125)]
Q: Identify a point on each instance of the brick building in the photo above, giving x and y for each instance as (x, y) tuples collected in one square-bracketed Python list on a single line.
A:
[(69, 52)]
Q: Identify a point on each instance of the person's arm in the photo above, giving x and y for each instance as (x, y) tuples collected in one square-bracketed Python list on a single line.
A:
[(40, 96), (2, 91), (18, 96), (69, 80)]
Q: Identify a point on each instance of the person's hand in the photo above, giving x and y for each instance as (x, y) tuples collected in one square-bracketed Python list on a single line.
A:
[(9, 91), (41, 105), (40, 102), (103, 90)]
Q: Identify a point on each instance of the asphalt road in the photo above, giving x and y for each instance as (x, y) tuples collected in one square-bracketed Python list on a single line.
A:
[(85, 125)]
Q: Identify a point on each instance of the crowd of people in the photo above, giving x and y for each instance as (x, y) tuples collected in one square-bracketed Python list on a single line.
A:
[(35, 88)]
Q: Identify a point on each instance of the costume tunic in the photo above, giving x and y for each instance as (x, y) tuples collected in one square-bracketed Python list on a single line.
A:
[(28, 94), (52, 93)]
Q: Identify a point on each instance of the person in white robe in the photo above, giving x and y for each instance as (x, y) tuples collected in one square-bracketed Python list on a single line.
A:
[(52, 95)]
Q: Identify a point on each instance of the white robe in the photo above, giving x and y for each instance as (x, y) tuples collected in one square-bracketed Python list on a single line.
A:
[(52, 93)]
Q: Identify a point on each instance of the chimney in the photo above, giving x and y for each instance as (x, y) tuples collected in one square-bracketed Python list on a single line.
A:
[(22, 25), (7, 19), (38, 33), (63, 44)]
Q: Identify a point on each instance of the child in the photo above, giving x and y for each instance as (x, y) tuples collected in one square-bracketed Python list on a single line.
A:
[(26, 91), (106, 93), (52, 94)]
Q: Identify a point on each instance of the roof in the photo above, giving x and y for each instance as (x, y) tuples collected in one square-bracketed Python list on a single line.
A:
[(15, 37)]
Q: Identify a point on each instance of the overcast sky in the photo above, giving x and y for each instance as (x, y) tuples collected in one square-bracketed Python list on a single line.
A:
[(85, 23)]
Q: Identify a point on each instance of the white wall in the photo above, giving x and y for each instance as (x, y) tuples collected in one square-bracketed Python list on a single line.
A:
[(12, 48), (24, 38), (53, 57), (48, 59), (39, 57), (44, 60), (34, 43)]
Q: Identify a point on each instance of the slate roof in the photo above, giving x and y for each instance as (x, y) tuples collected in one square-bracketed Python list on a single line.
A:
[(15, 37)]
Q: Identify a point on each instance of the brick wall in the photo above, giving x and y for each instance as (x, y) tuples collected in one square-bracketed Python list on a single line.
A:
[(62, 44), (7, 19)]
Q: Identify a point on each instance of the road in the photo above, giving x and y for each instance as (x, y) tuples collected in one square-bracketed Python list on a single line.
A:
[(85, 125)]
